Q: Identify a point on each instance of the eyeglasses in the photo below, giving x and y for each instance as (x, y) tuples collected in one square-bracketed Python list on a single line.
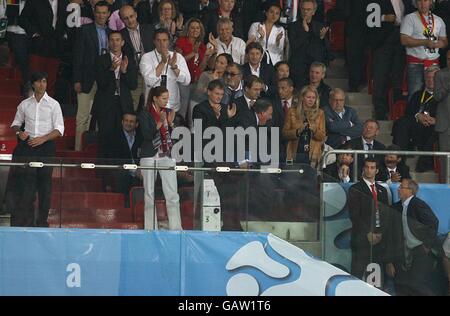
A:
[(230, 74), (405, 188)]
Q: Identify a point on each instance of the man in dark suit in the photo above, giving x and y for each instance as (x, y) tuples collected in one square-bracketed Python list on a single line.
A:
[(353, 12), (197, 8), (253, 86), (262, 70), (342, 169), (234, 86), (308, 43), (416, 128), (388, 55), (415, 271), (372, 225), (226, 9), (281, 103), (393, 169), (123, 148), (116, 77), (371, 129), (317, 73), (44, 22), (92, 41), (138, 41), (341, 121)]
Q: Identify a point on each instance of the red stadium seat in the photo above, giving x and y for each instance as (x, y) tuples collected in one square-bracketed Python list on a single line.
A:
[(86, 200), (77, 184), (7, 145), (65, 143), (9, 102), (10, 87), (69, 126)]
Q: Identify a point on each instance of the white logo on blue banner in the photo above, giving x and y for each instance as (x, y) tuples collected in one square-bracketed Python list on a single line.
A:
[(316, 277)]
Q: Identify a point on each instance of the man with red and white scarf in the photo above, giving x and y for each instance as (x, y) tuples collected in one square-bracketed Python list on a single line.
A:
[(156, 125), (423, 34)]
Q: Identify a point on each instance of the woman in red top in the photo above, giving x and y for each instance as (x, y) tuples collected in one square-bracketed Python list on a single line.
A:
[(193, 49)]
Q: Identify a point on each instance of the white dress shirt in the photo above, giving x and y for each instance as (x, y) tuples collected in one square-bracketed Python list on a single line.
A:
[(54, 5), (148, 64), (399, 9), (41, 117), (236, 49), (410, 240)]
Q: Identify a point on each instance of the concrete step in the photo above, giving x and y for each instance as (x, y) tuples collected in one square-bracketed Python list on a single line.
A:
[(359, 98), (385, 139), (5, 220), (337, 72), (337, 83), (386, 126)]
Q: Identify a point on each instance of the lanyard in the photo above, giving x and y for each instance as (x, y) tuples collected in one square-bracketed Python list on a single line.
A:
[(167, 64), (428, 27), (422, 99)]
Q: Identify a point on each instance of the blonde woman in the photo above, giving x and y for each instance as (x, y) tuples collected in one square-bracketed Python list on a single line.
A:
[(304, 128)]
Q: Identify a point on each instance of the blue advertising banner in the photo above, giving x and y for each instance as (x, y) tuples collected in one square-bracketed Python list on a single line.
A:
[(114, 262)]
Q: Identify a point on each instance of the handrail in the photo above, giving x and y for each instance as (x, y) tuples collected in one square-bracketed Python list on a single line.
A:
[(386, 152), (181, 167)]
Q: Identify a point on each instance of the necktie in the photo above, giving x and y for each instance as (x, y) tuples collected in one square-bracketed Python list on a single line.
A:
[(369, 146), (377, 212), (285, 107), (391, 173)]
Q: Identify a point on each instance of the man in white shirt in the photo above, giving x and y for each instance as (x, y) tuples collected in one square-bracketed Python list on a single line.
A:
[(227, 43), (44, 122), (161, 67), (423, 34)]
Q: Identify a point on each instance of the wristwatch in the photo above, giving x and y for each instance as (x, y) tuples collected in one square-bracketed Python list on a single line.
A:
[(17, 133)]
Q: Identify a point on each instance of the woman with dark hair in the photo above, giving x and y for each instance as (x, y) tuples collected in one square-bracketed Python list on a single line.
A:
[(156, 124), (220, 65), (269, 34), (304, 129), (168, 19)]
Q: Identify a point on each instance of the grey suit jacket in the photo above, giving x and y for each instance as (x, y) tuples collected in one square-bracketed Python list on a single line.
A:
[(442, 96)]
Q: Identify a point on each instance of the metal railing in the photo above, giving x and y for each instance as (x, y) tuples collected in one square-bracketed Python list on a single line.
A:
[(386, 152)]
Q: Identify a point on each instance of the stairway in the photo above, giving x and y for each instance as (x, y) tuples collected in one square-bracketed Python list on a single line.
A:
[(337, 77)]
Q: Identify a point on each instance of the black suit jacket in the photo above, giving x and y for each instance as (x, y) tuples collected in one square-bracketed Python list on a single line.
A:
[(147, 15), (415, 102), (378, 35), (119, 149), (37, 17), (422, 222), (383, 173), (357, 143), (85, 56), (210, 22), (106, 86), (191, 9), (362, 214), (146, 33), (266, 74), (305, 48), (331, 173)]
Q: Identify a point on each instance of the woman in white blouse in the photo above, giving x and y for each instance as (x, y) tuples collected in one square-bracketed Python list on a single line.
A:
[(270, 35)]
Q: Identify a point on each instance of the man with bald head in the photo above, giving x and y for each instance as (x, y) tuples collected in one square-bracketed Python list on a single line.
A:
[(138, 41), (342, 121)]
